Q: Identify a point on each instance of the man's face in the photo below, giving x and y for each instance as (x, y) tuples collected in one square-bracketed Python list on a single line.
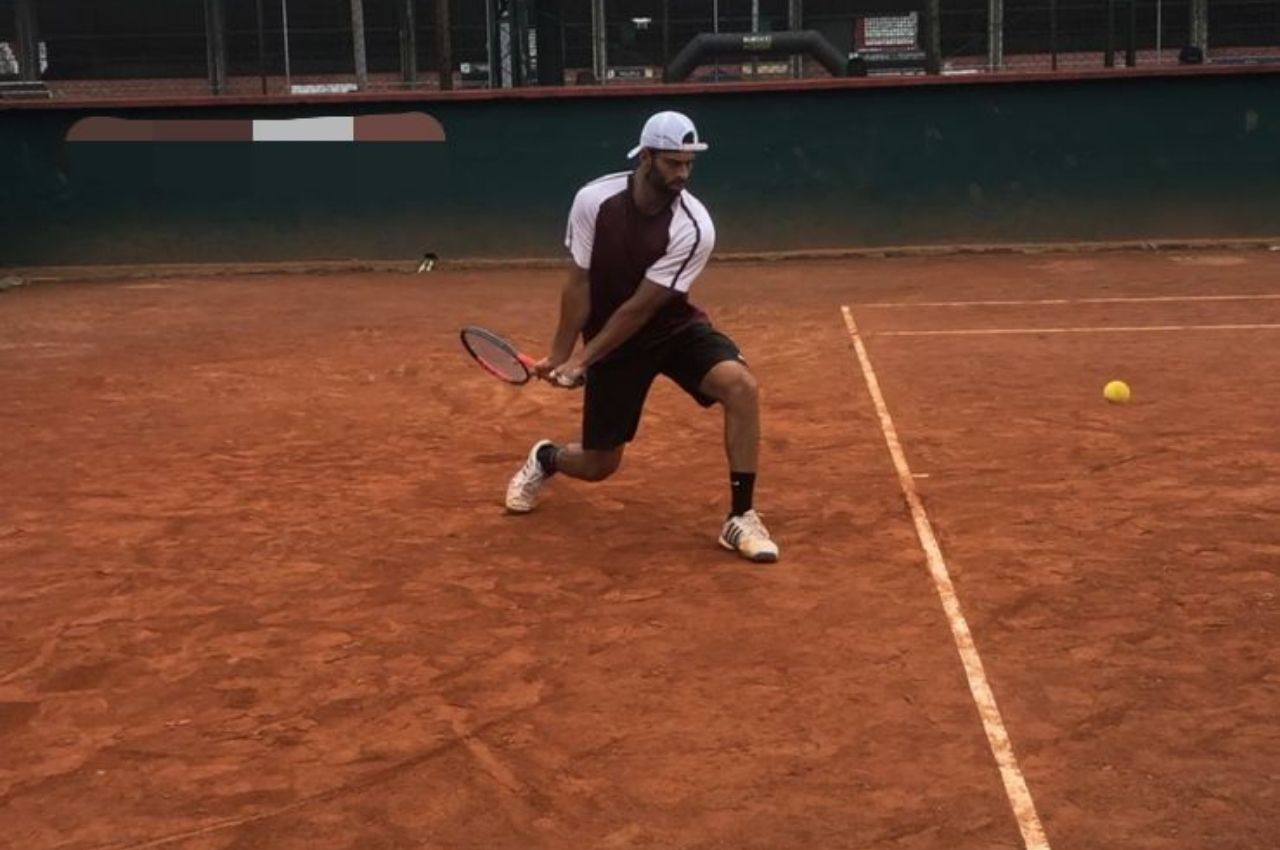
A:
[(669, 171)]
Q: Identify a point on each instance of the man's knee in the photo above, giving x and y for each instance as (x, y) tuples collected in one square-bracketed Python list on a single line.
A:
[(733, 385), (601, 464)]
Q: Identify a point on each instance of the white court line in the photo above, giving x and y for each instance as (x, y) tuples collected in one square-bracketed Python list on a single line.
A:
[(1015, 786), (1093, 330), (1153, 299)]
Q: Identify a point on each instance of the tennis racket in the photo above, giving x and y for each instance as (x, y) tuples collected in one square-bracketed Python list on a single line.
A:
[(499, 357)]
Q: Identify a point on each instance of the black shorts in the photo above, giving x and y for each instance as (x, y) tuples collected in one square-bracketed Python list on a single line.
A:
[(616, 388)]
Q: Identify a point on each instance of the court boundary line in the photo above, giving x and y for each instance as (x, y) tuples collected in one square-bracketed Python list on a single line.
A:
[(1015, 785), (1097, 329), (1035, 302)]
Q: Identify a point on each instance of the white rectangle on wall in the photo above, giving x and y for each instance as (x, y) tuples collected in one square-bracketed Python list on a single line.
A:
[(336, 128)]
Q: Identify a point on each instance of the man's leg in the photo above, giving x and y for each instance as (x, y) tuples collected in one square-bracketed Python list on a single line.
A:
[(585, 464), (709, 367), (611, 407), (546, 459), (732, 384)]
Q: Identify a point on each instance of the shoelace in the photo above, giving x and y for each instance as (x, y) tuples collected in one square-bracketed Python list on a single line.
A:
[(532, 478), (754, 527)]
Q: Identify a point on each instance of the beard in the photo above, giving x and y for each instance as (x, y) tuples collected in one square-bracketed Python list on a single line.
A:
[(659, 184)]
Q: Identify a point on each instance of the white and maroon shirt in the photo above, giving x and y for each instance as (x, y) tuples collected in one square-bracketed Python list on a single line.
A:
[(620, 246)]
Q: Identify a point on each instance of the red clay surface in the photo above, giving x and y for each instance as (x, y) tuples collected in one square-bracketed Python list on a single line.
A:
[(259, 590)]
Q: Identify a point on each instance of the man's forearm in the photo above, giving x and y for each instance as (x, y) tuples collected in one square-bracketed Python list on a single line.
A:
[(622, 325), (575, 307)]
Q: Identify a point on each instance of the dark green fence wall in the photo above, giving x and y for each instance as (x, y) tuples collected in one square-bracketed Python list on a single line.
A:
[(1131, 158)]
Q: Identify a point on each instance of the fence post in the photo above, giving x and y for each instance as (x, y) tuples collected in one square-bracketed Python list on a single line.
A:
[(1131, 49), (795, 23), (1200, 25), (599, 41), (357, 43), (933, 37), (1159, 31), (284, 30), (1053, 34), (408, 20), (995, 35), (444, 45), (549, 24), (215, 45), (262, 46), (492, 48), (25, 28), (1109, 50)]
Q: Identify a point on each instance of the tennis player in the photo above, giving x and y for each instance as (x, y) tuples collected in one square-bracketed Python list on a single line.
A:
[(638, 240)]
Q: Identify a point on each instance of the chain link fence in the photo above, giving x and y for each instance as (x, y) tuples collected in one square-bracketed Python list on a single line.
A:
[(147, 48)]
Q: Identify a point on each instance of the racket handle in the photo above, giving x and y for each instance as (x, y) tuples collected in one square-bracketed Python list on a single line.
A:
[(567, 383)]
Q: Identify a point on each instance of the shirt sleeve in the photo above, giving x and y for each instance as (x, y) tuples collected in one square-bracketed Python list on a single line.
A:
[(580, 234), (688, 249)]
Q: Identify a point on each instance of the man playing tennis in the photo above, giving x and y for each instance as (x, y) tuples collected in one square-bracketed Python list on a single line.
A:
[(638, 240)]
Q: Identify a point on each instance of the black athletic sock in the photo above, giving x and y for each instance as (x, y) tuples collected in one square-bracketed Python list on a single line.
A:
[(743, 486), (547, 458)]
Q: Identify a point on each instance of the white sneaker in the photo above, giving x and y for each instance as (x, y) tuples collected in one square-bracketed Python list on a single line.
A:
[(526, 484), (746, 535)]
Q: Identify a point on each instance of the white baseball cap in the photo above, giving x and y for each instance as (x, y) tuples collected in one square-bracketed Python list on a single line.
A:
[(669, 131)]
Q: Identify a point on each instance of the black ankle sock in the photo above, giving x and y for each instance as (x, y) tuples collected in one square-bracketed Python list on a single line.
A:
[(547, 458), (742, 485)]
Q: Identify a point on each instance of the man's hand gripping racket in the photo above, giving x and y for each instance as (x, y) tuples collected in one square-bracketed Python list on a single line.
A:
[(504, 361)]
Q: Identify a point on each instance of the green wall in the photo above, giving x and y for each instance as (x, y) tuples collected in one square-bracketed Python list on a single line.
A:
[(1061, 160)]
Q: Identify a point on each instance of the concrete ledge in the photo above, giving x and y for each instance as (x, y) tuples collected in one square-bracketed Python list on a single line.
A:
[(37, 274)]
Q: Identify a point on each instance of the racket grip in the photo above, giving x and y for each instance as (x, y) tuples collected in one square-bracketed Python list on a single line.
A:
[(567, 383)]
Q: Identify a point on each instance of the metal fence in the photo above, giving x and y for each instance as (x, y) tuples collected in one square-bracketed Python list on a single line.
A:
[(127, 48)]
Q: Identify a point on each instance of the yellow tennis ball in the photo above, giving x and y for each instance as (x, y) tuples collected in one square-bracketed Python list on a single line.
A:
[(1116, 392)]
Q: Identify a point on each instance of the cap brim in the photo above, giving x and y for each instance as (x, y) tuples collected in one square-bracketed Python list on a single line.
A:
[(695, 147)]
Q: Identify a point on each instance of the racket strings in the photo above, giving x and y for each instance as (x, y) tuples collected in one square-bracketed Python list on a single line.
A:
[(496, 358)]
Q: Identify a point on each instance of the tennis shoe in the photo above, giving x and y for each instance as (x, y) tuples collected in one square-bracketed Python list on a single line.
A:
[(527, 483), (746, 535)]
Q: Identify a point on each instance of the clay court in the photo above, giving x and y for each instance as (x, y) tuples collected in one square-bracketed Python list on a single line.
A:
[(260, 592)]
